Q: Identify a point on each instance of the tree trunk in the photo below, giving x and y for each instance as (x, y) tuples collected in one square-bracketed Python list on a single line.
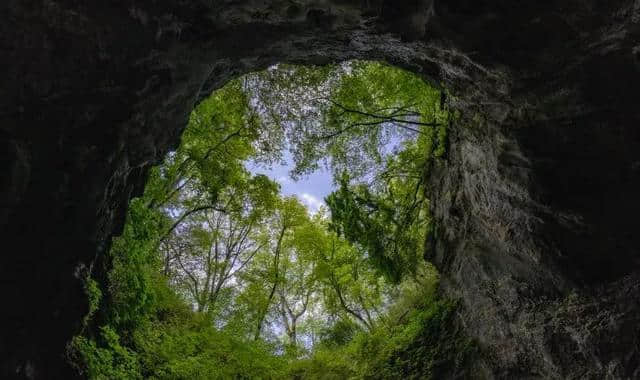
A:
[(276, 264)]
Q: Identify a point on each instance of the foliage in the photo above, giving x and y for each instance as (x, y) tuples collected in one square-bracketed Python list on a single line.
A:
[(192, 348), (389, 218), (422, 344), (378, 106), (348, 120), (133, 280), (217, 275), (110, 360)]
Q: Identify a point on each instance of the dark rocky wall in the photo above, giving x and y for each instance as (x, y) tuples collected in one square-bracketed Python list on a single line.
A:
[(536, 204)]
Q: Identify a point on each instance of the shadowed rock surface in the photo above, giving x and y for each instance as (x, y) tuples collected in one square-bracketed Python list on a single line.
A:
[(536, 203)]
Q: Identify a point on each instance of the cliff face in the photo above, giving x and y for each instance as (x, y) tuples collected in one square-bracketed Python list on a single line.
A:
[(536, 202)]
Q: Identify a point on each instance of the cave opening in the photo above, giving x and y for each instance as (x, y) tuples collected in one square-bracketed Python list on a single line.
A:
[(534, 201), (286, 237)]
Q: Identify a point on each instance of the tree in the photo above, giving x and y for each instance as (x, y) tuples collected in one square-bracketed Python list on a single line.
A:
[(389, 216), (213, 247), (296, 292), (351, 285), (289, 215)]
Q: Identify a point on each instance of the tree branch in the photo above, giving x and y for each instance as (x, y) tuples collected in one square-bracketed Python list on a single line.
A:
[(186, 215)]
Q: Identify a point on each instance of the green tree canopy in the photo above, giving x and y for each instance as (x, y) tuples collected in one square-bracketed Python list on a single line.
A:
[(217, 275)]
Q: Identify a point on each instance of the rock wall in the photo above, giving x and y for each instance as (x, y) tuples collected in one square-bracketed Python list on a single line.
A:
[(535, 204)]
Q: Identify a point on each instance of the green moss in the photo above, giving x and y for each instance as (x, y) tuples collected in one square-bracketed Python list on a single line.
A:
[(94, 295), (108, 360), (428, 347), (441, 138)]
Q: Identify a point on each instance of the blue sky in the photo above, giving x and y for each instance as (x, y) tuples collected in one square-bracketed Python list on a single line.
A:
[(311, 189)]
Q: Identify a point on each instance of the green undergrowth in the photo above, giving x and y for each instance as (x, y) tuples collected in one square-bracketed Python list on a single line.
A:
[(418, 339), (425, 345)]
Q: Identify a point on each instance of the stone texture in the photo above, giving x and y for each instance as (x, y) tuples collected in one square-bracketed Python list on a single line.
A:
[(536, 203)]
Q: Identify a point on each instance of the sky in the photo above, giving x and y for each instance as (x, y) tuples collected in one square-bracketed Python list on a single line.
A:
[(310, 190)]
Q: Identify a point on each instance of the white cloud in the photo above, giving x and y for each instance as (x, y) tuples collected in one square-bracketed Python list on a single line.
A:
[(282, 179), (311, 202)]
